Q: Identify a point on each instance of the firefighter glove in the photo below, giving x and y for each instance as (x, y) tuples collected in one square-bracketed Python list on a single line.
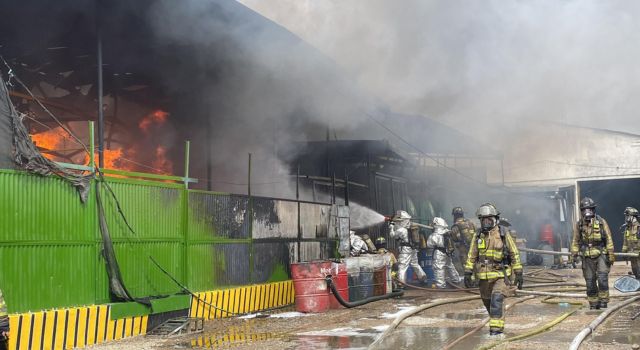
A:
[(611, 259), (467, 279), (519, 279)]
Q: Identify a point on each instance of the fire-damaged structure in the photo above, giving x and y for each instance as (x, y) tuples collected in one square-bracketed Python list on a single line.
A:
[(140, 246)]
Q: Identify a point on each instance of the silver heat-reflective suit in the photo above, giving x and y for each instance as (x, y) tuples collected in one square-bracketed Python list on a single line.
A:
[(443, 269), (407, 255), (358, 245)]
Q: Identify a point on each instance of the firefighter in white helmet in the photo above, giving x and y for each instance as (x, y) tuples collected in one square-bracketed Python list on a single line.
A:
[(407, 251), (443, 250)]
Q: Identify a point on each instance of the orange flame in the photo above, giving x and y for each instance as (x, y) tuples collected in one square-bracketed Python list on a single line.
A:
[(51, 140), (156, 117)]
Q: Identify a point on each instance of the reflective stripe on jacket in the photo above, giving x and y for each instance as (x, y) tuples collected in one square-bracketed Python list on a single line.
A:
[(592, 238), (631, 243), (486, 255), (463, 229)]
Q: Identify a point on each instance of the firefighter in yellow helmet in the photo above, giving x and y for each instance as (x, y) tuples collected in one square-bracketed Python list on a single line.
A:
[(592, 240), (494, 257), (381, 244), (631, 243)]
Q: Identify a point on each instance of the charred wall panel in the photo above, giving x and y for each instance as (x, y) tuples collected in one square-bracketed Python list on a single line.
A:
[(274, 218), (271, 261), (314, 220), (231, 264), (213, 215)]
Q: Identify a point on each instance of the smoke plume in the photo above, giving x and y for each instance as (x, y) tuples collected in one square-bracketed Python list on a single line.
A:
[(482, 66)]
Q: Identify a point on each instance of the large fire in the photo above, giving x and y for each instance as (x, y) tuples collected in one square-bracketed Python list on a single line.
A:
[(56, 143)]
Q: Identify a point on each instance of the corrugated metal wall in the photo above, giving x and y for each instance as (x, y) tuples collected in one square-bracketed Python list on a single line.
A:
[(50, 248)]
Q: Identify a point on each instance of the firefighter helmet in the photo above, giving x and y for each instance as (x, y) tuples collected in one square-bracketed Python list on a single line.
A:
[(487, 209), (381, 242), (587, 203), (401, 215), (631, 211), (439, 222), (457, 211)]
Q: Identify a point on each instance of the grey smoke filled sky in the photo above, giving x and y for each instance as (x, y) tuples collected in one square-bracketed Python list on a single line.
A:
[(478, 64)]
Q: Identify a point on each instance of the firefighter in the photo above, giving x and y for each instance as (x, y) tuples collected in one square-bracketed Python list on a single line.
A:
[(493, 256), (358, 245), (631, 243), (592, 240), (443, 251), (462, 232), (407, 253), (381, 244)]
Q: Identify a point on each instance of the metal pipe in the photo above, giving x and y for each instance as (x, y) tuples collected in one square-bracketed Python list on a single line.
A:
[(249, 177), (550, 252), (422, 225), (100, 91), (92, 146), (572, 295), (187, 151)]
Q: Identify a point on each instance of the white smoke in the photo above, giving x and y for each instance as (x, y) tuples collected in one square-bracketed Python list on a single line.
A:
[(483, 66)]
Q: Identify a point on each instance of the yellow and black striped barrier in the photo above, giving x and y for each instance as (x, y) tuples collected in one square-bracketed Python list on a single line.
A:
[(71, 328), (88, 325), (242, 300)]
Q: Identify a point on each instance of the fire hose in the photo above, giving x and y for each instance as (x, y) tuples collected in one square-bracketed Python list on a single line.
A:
[(412, 312), (483, 323), (350, 305), (575, 344), (533, 332)]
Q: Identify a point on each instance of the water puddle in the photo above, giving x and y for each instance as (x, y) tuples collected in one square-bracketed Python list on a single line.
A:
[(233, 336), (428, 338), (339, 338), (463, 316)]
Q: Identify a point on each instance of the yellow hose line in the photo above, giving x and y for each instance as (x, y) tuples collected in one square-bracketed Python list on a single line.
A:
[(483, 323), (548, 300), (533, 332)]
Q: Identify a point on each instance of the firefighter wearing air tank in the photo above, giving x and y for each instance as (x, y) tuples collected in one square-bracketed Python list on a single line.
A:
[(443, 251), (494, 257), (408, 242), (592, 240), (462, 232), (631, 243)]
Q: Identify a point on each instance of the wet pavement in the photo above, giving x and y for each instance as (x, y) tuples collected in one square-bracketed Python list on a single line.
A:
[(430, 329)]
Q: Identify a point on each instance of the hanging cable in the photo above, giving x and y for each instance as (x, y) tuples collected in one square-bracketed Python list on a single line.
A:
[(44, 108)]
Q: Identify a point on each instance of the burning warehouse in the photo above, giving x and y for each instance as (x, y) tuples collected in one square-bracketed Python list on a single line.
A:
[(196, 171)]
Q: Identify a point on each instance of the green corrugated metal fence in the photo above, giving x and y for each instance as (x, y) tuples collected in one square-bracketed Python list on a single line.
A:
[(50, 244)]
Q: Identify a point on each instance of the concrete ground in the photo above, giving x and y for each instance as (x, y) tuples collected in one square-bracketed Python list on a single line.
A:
[(430, 329)]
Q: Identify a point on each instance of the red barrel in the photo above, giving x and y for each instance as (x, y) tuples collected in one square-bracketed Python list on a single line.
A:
[(546, 234), (341, 281), (311, 290)]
